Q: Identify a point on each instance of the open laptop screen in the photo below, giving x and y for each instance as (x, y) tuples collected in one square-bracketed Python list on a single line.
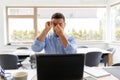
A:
[(60, 66)]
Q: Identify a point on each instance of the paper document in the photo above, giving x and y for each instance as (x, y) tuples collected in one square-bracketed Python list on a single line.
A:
[(96, 72)]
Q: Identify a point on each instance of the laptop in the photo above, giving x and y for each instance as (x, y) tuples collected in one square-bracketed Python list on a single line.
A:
[(60, 66)]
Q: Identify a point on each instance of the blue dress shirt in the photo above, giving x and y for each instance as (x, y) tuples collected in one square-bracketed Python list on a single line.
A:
[(53, 45)]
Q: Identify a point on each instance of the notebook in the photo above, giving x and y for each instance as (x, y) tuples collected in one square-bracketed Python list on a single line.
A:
[(60, 66), (96, 72)]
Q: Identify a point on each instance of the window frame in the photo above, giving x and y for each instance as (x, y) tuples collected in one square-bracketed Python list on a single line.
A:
[(34, 16), (113, 40)]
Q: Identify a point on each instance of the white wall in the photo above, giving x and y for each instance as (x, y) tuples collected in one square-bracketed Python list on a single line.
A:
[(1, 27), (113, 1), (4, 3), (52, 2)]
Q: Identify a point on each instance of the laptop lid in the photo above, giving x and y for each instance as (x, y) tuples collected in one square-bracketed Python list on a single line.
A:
[(60, 66)]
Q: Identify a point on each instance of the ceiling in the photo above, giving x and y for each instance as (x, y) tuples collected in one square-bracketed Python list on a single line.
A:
[(57, 2)]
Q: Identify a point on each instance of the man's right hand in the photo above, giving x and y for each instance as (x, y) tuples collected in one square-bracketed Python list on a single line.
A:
[(48, 25)]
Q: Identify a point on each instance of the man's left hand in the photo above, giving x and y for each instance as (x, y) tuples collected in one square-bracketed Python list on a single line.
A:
[(58, 30)]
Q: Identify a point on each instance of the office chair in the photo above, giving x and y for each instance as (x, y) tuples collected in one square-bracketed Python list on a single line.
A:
[(116, 64), (9, 61), (33, 61), (82, 46), (93, 58), (22, 58), (24, 48), (105, 57)]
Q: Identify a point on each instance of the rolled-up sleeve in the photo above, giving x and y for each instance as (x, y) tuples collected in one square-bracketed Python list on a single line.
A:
[(37, 45), (71, 46)]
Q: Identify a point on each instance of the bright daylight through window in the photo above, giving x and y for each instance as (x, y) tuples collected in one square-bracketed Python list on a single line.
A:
[(85, 24), (115, 20)]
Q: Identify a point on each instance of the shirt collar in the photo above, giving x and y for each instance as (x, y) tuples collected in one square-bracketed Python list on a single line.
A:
[(55, 35)]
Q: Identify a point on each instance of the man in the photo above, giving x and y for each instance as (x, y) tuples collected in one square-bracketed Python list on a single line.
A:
[(57, 42)]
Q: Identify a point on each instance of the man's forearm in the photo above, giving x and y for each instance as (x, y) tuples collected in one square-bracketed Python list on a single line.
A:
[(63, 40), (42, 36)]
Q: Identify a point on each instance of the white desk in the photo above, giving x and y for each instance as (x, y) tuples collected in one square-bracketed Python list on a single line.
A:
[(19, 52), (79, 50), (31, 73), (23, 52), (85, 50), (110, 77)]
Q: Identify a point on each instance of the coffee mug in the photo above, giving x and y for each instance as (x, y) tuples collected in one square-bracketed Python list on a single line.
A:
[(20, 76)]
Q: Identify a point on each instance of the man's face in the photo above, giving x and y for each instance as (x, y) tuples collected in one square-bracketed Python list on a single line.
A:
[(60, 22)]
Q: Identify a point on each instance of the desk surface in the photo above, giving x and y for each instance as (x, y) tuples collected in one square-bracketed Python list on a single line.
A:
[(110, 77), (19, 52), (114, 71), (32, 75), (85, 50), (23, 52), (79, 50), (29, 52)]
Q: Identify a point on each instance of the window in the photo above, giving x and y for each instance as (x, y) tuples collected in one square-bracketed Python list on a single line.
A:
[(25, 23), (85, 24), (20, 25), (20, 11), (20, 32), (115, 19)]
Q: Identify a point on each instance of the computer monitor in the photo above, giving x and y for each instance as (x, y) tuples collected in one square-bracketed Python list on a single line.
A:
[(60, 66)]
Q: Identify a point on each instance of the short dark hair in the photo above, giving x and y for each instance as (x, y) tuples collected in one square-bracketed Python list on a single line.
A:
[(57, 16)]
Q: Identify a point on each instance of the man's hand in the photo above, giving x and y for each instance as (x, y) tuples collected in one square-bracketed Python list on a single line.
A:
[(58, 30), (48, 25)]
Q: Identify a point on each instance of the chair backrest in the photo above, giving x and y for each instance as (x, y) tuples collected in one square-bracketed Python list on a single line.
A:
[(116, 64), (112, 50), (83, 46), (22, 48), (33, 61), (8, 61), (93, 58)]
